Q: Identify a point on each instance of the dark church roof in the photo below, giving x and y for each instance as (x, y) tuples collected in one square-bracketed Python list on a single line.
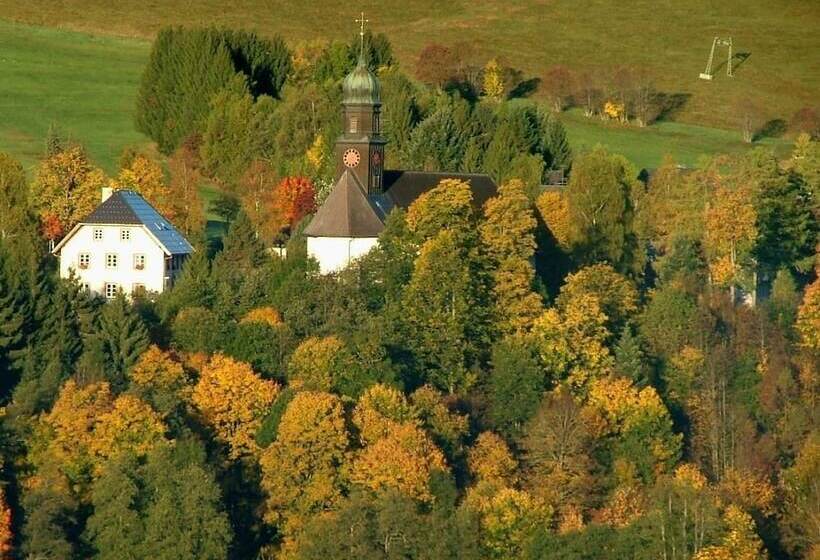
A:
[(347, 212), (403, 187), (129, 208)]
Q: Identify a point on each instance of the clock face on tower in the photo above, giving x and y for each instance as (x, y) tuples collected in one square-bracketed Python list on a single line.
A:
[(351, 158)]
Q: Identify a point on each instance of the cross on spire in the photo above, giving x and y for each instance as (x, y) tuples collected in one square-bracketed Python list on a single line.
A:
[(361, 21)]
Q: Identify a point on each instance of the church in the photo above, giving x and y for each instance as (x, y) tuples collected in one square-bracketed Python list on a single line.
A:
[(349, 222)]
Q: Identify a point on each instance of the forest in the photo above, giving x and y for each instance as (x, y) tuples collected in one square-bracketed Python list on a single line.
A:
[(622, 367)]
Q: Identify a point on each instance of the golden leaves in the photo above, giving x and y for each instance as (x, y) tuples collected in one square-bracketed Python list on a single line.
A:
[(808, 317), (489, 459), (233, 400), (553, 208), (403, 459), (265, 315)]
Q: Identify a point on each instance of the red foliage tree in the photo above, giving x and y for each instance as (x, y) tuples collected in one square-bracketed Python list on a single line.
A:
[(437, 65), (51, 227), (293, 199)]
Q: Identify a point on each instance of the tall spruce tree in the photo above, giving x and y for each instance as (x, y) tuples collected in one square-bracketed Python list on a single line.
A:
[(123, 339)]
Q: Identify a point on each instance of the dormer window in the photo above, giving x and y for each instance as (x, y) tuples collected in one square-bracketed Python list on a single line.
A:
[(125, 235), (354, 125), (98, 232)]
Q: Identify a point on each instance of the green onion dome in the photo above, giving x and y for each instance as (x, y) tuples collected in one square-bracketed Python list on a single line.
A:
[(361, 86)]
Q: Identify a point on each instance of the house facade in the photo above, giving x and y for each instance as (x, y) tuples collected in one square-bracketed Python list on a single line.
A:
[(124, 244)]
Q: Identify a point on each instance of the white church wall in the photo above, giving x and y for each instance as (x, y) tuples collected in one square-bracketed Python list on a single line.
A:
[(335, 253), (125, 275)]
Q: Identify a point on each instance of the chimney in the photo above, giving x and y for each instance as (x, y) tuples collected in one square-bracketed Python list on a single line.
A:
[(106, 193)]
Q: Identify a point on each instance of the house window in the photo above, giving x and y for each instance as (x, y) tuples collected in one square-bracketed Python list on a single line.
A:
[(98, 234), (110, 290), (354, 125), (139, 262), (125, 235), (111, 260), (83, 260), (86, 287)]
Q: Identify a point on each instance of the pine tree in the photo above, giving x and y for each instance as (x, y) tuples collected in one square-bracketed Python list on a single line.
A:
[(11, 324), (124, 338), (629, 358)]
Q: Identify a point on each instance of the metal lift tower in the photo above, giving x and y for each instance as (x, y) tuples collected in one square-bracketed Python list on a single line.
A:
[(718, 42)]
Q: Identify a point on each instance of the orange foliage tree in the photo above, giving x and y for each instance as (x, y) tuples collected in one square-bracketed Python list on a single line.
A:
[(403, 459), (233, 400), (490, 459), (266, 315), (293, 199), (6, 535)]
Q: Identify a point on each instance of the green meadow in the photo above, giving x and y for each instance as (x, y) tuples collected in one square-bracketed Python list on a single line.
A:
[(85, 85)]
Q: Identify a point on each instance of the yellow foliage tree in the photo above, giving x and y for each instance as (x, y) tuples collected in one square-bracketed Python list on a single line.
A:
[(130, 426), (553, 209), (157, 371), (71, 422), (625, 409), (507, 518), (493, 82), (730, 233), (517, 306), (490, 460), (67, 187), (572, 342), (508, 228), (447, 427), (316, 153), (808, 317), (748, 490), (266, 315), (318, 364), (379, 410), (403, 459), (741, 541), (145, 176), (233, 400), (303, 469), (449, 205), (617, 296)]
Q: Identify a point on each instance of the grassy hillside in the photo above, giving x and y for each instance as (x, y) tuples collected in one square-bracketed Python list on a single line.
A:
[(670, 37), (86, 85)]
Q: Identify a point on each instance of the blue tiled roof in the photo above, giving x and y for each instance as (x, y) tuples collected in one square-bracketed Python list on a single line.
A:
[(128, 207)]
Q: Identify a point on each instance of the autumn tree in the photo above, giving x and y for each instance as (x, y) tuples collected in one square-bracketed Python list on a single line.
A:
[(558, 444), (436, 65), (403, 459), (293, 199), (380, 408), (553, 209), (233, 400), (801, 513), (446, 206), (444, 312), (302, 470), (160, 379), (729, 237), (490, 460), (322, 364), (558, 86), (493, 86), (6, 535), (255, 189), (183, 186), (616, 295), (808, 317), (144, 175), (67, 187), (571, 343)]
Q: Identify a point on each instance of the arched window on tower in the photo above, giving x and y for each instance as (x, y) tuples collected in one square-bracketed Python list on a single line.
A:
[(354, 125)]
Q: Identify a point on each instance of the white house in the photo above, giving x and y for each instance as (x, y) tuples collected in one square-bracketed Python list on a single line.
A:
[(123, 244), (349, 222)]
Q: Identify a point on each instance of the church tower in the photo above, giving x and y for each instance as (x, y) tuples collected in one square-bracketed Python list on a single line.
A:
[(360, 148)]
